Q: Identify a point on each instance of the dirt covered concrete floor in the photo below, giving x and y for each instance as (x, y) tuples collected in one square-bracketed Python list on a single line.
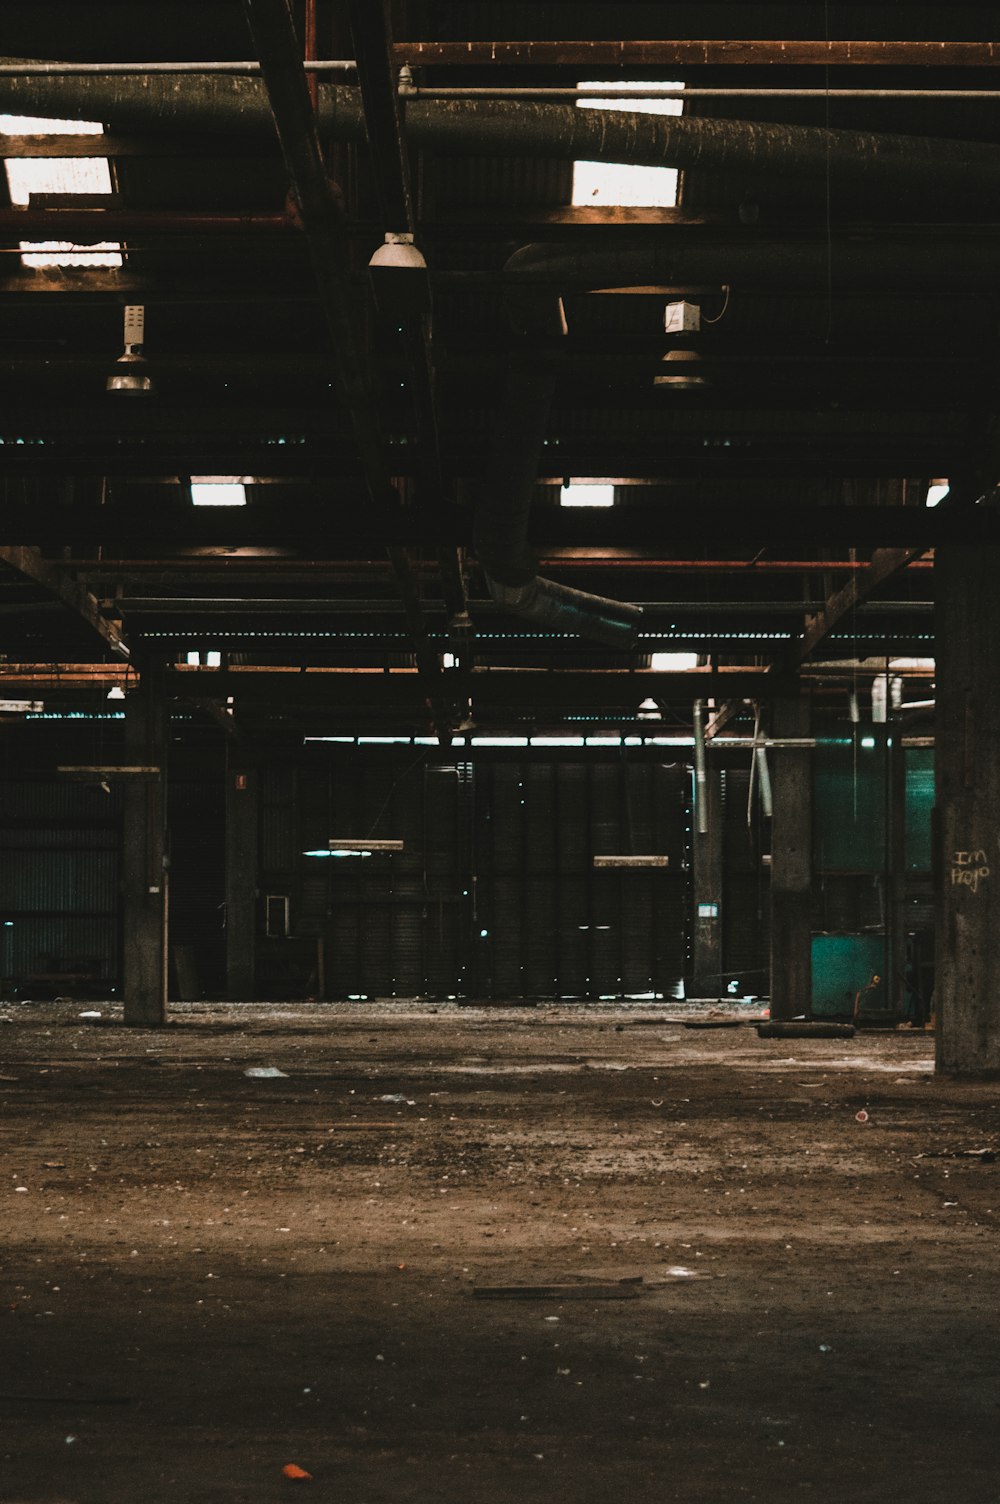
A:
[(207, 1276)]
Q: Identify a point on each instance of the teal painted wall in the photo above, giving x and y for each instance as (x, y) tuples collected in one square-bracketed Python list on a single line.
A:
[(850, 803), (919, 806), (842, 965)]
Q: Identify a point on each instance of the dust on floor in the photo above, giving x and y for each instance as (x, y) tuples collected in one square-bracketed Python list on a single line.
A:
[(207, 1276)]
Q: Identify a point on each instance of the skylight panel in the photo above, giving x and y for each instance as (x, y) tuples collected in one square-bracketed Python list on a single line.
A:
[(579, 494), (618, 183), (218, 491), (673, 663), (28, 175)]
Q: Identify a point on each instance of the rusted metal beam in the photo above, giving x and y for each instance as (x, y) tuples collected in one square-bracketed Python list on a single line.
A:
[(884, 563), (638, 530), (371, 33), (273, 32), (616, 692), (370, 30), (177, 145), (81, 224), (29, 562), (726, 713), (688, 54)]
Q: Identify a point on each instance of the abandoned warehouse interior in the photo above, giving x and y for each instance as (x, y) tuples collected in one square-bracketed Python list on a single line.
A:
[(498, 563)]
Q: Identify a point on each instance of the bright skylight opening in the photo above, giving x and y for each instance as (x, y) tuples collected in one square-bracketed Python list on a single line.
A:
[(580, 494), (619, 183), (673, 663), (218, 491), (937, 492), (28, 175)]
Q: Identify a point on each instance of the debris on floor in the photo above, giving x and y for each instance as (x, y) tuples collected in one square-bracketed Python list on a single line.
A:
[(984, 1156), (625, 1289), (296, 1473), (712, 1023), (804, 1029), (265, 1072)]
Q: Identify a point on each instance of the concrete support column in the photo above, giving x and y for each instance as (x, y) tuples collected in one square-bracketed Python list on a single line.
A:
[(896, 871), (791, 863), (967, 793), (706, 978), (241, 881), (144, 867)]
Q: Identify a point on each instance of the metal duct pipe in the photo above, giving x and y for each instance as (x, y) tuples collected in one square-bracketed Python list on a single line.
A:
[(759, 764), (696, 255), (916, 167), (504, 503), (564, 609), (903, 165)]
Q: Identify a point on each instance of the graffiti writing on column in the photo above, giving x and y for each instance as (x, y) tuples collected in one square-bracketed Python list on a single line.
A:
[(969, 869)]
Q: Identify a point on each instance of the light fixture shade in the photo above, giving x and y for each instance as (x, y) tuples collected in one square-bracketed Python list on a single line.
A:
[(130, 376), (399, 277), (398, 252), (681, 370)]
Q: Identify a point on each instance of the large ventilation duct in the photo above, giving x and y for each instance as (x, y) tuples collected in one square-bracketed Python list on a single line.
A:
[(909, 169), (754, 261)]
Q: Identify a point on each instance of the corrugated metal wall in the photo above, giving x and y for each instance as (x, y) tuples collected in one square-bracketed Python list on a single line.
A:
[(495, 893), (746, 900), (549, 923), (58, 888), (196, 818)]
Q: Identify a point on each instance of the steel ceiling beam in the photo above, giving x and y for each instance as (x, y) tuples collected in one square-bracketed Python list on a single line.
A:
[(71, 592), (339, 526), (273, 32), (371, 33), (617, 692), (884, 563), (697, 53), (711, 53)]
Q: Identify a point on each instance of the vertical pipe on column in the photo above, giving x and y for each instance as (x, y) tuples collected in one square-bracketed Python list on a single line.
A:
[(700, 777)]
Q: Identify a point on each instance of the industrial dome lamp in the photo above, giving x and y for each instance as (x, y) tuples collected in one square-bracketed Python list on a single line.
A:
[(130, 374), (399, 276), (682, 368)]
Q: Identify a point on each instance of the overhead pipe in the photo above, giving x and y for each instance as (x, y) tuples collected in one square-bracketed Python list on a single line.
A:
[(545, 94), (922, 168), (314, 67), (706, 256), (700, 769)]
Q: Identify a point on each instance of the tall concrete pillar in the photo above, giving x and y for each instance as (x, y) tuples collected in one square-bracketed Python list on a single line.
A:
[(791, 862), (145, 903), (706, 978), (967, 793), (241, 880), (896, 871)]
